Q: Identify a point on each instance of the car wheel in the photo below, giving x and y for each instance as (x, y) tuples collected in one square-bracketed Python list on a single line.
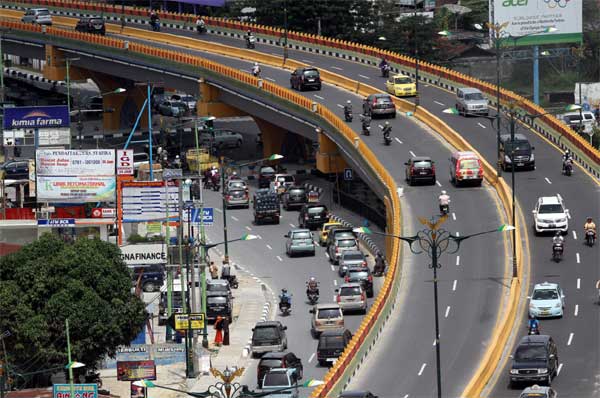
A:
[(254, 355), (313, 333), (314, 252)]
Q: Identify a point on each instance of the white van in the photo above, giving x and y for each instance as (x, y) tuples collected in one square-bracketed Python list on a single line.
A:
[(573, 120)]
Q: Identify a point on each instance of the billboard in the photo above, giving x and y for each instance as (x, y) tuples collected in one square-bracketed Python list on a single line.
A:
[(531, 18), (74, 162), (136, 370), (79, 390), (147, 201), (76, 189), (36, 117), (148, 253)]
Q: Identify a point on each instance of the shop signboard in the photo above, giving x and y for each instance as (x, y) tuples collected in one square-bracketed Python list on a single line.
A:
[(125, 162), (80, 390), (76, 189), (36, 117), (136, 370), (144, 254), (147, 201), (74, 162)]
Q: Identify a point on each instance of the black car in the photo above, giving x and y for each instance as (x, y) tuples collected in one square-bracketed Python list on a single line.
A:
[(91, 25), (303, 78), (331, 345), (313, 216), (420, 168), (357, 394), (278, 360), (265, 176), (218, 304), (150, 277), (535, 360), (16, 170), (218, 286), (519, 148), (268, 336), (362, 275), (294, 196)]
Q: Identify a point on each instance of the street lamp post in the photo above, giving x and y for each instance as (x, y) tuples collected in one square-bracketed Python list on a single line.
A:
[(434, 241), (285, 32)]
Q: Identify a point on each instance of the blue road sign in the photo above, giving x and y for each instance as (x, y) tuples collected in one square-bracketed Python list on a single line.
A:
[(57, 222), (348, 174), (208, 216)]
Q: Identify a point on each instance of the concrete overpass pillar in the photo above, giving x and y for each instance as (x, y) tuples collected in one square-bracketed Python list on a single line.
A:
[(209, 104), (272, 137), (121, 110), (328, 157)]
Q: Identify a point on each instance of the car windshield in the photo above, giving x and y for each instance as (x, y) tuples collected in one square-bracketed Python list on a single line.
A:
[(216, 300), (422, 164), (43, 12), (237, 184), (270, 363), (266, 333), (383, 100), (311, 73), (96, 20), (350, 291), (474, 96), (545, 294), (328, 227), (519, 146), (188, 98), (545, 209), (316, 210), (352, 256), (276, 379), (297, 191), (267, 170), (469, 164), (217, 287), (301, 235), (530, 353), (402, 80), (358, 274), (346, 243), (326, 313), (333, 341)]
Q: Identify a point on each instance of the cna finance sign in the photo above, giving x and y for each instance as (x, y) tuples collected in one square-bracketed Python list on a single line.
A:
[(526, 21)]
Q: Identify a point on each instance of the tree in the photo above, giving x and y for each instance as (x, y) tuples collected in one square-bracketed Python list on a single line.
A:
[(50, 280)]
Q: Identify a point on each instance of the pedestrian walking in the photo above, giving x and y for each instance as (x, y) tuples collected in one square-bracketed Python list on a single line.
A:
[(214, 270), (219, 329), (226, 330)]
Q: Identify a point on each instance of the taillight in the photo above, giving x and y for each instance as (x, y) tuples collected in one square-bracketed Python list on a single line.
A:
[(374, 102), (457, 169), (306, 216), (433, 169), (337, 249), (346, 279), (480, 171), (370, 278), (338, 298), (412, 169), (228, 197), (362, 297), (364, 263)]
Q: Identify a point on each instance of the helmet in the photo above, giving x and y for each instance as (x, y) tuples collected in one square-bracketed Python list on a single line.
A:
[(176, 156), (283, 290), (348, 102), (312, 279), (443, 192), (589, 219), (234, 173), (531, 316), (387, 123), (256, 64)]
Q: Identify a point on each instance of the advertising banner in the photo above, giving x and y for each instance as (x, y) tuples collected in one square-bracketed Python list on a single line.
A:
[(526, 21), (73, 162), (147, 253), (147, 201), (36, 117), (57, 222), (80, 390), (76, 189), (208, 215), (125, 162), (136, 370)]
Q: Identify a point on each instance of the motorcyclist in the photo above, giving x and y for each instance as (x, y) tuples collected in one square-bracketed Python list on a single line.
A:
[(177, 162), (285, 297), (366, 123), (384, 67), (379, 267), (312, 286), (256, 69), (444, 200), (387, 130), (200, 25), (558, 238), (154, 20), (533, 323), (248, 35), (566, 159), (348, 108), (589, 225)]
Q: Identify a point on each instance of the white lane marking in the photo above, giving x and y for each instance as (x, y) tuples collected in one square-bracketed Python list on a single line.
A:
[(275, 54), (398, 139), (574, 235), (248, 228), (439, 184), (578, 283), (259, 237), (271, 79), (307, 61), (547, 180), (319, 97), (481, 125), (269, 247), (559, 369), (332, 268), (570, 339), (336, 68), (311, 357), (340, 105), (335, 282), (434, 342), (292, 225), (454, 285), (439, 103), (334, 298), (406, 396), (457, 260), (234, 218), (453, 216), (457, 233), (279, 258), (412, 154), (576, 310), (365, 77), (422, 369), (578, 258), (327, 255), (218, 210), (447, 312)]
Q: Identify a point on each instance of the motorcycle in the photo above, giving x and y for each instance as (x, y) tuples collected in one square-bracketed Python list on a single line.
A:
[(590, 237), (557, 251), (251, 42), (379, 269), (385, 70), (533, 330), (256, 72), (233, 282), (348, 114), (200, 29), (313, 297), (444, 209), (285, 307), (387, 140), (366, 125), (568, 167), (155, 25)]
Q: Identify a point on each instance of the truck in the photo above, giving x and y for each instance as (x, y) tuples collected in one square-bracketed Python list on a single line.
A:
[(200, 159), (266, 206)]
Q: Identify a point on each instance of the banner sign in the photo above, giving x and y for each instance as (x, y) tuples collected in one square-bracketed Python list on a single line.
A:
[(526, 21), (36, 117), (73, 162), (57, 222), (80, 390), (125, 162), (76, 189), (147, 253), (180, 321), (208, 215), (136, 370), (147, 201), (104, 212)]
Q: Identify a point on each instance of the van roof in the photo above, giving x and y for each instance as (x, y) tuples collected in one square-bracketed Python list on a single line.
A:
[(518, 137), (470, 90)]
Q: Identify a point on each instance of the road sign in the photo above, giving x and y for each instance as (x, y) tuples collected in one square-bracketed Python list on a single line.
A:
[(57, 222), (208, 216), (80, 390), (348, 174), (180, 321)]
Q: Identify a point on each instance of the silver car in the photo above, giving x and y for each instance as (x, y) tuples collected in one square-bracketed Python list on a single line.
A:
[(222, 139), (336, 249), (299, 241), (40, 16), (237, 198), (172, 108), (351, 258), (471, 101), (352, 297)]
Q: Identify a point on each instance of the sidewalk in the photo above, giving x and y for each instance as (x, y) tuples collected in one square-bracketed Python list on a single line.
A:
[(249, 307)]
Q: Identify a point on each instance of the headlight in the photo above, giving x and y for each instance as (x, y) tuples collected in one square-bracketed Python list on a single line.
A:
[(561, 220), (542, 370), (514, 371), (557, 305), (532, 306), (532, 157)]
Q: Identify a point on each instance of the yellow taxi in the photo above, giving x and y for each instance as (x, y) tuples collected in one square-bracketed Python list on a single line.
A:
[(325, 231), (401, 86)]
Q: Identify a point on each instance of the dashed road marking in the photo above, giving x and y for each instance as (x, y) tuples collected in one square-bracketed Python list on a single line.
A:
[(412, 154), (279, 258), (234, 218), (576, 312), (335, 282), (559, 369), (336, 68), (218, 210), (365, 77), (258, 236), (422, 369), (578, 283), (327, 255), (578, 258), (574, 235), (319, 97), (292, 225), (481, 125), (334, 298), (548, 180), (570, 339), (398, 139), (269, 247), (439, 184), (457, 260), (307, 61), (248, 228), (332, 268), (447, 312), (454, 285), (439, 103), (434, 342), (340, 106), (271, 79), (453, 216), (311, 357), (406, 396)]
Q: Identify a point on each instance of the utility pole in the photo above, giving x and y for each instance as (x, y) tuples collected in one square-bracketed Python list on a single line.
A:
[(72, 387), (226, 257)]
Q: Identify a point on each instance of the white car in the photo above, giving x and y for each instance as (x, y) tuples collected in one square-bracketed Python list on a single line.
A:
[(188, 100), (550, 215), (547, 300), (40, 16)]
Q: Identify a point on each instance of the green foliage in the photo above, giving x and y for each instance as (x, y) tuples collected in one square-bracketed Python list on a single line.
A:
[(136, 238), (47, 282)]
